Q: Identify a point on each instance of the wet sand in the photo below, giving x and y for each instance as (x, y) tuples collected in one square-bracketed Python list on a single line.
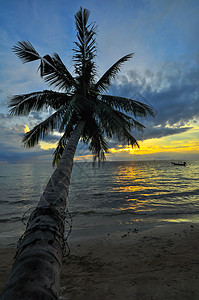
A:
[(161, 263)]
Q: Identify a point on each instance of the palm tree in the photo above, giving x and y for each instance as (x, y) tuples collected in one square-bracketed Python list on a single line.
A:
[(81, 111)]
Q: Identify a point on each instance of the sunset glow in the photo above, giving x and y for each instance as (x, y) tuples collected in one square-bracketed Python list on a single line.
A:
[(184, 143), (46, 146), (26, 129), (180, 144)]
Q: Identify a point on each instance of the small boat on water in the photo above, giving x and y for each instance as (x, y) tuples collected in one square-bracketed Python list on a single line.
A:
[(179, 163)]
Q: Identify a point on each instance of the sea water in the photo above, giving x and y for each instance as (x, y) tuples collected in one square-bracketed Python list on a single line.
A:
[(116, 196)]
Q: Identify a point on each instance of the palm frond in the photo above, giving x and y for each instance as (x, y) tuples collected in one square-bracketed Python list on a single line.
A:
[(25, 51), (82, 106), (81, 18), (40, 131), (105, 81), (99, 147), (118, 124), (131, 140), (109, 118), (78, 107), (70, 116), (24, 104), (63, 140), (85, 49), (55, 72), (51, 68), (85, 34), (59, 150), (139, 109), (130, 120), (93, 134)]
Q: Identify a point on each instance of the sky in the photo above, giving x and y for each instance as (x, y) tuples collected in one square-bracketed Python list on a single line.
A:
[(164, 70)]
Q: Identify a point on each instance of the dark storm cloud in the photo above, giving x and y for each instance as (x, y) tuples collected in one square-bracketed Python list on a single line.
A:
[(173, 92)]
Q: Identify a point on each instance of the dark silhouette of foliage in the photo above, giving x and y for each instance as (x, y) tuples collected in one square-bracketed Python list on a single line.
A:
[(80, 97)]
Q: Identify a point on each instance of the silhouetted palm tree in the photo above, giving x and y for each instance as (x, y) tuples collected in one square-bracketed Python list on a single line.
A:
[(81, 112)]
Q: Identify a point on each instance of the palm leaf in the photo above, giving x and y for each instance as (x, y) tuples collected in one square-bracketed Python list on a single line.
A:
[(26, 52), (63, 140), (59, 150), (133, 123), (71, 114), (55, 73), (78, 108), (139, 109), (93, 134), (52, 68), (105, 81), (131, 140), (82, 106), (81, 18), (85, 33), (85, 49), (24, 104), (99, 147), (109, 118), (40, 131), (117, 124)]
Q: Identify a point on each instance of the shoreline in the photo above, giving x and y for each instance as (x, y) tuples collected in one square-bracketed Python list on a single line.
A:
[(160, 263)]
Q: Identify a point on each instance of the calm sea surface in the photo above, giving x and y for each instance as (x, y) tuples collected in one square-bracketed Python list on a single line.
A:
[(116, 196)]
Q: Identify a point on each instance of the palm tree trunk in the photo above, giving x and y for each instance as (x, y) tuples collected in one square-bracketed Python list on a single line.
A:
[(36, 270)]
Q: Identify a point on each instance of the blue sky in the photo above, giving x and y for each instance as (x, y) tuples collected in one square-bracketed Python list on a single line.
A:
[(163, 72)]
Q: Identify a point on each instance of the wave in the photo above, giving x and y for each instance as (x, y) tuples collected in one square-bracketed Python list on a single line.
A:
[(131, 212), (9, 220)]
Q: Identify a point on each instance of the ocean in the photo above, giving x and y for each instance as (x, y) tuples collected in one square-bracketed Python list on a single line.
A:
[(117, 197)]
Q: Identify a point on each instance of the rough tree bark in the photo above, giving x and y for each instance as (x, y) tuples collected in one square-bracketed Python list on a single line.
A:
[(35, 273)]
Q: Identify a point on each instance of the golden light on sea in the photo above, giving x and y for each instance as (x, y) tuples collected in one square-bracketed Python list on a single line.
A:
[(127, 181)]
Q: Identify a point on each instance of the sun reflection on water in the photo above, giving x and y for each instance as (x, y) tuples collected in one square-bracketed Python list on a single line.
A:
[(154, 187)]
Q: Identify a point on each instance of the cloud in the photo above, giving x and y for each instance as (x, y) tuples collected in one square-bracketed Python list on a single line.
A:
[(154, 30), (11, 149), (172, 91), (159, 132)]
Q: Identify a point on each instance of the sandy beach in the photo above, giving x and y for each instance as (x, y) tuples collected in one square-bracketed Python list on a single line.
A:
[(161, 263)]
